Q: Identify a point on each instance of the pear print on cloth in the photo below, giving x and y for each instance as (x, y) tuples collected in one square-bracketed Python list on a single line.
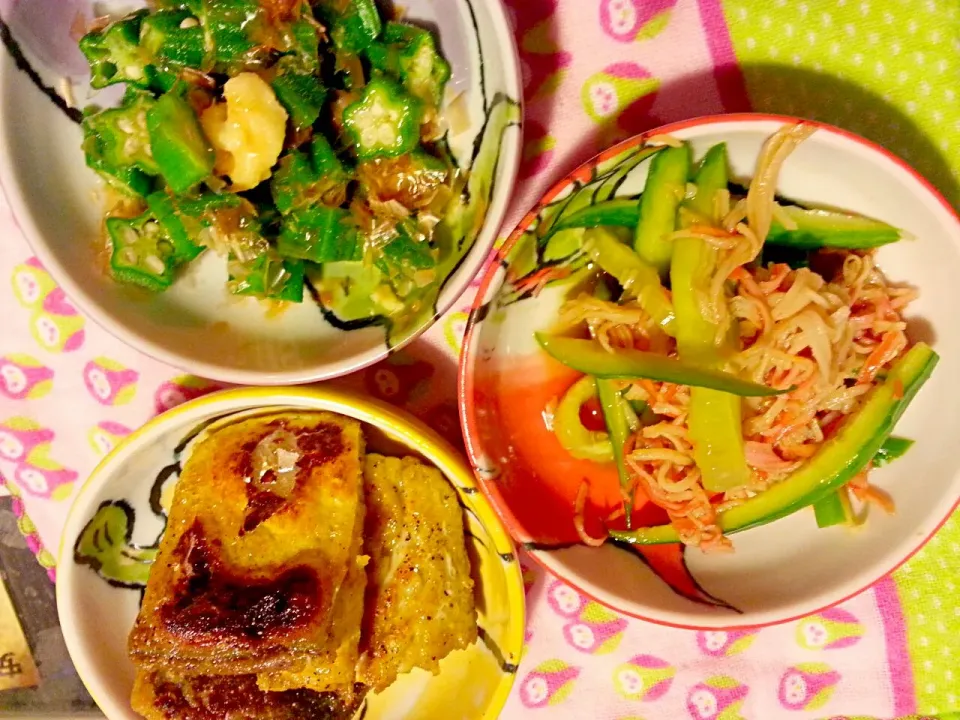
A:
[(597, 630), (26, 444), (644, 677), (617, 89), (32, 284), (717, 698), (453, 328), (631, 20), (548, 684), (807, 686), (54, 323), (22, 438), (721, 643), (181, 389), (541, 60), (104, 436), (538, 149), (46, 478), (831, 629), (564, 600), (398, 379), (23, 377), (110, 382), (619, 99)]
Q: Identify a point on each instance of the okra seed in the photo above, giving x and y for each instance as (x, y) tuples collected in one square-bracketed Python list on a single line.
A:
[(188, 23), (155, 264), (125, 125), (128, 236), (151, 228), (128, 256), (387, 135)]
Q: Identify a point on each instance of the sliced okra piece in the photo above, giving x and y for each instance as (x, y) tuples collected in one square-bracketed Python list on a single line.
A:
[(165, 213), (301, 94), (118, 136), (115, 55), (303, 180), (229, 25), (319, 234), (180, 148), (174, 38), (268, 276), (355, 23), (410, 53), (384, 122), (142, 252), (406, 251)]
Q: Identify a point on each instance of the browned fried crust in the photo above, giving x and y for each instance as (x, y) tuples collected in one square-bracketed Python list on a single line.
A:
[(420, 604), (162, 696), (241, 585)]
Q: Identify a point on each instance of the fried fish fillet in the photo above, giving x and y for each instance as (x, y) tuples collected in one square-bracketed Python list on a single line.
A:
[(162, 695), (335, 668), (252, 571), (419, 603)]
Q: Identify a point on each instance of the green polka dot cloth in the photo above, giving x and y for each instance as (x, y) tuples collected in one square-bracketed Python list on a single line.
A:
[(889, 70), (886, 69)]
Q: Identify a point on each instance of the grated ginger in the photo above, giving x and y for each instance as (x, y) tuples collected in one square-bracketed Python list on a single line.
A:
[(247, 130)]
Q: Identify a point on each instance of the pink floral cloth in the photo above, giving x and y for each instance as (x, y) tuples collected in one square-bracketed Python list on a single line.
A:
[(594, 71)]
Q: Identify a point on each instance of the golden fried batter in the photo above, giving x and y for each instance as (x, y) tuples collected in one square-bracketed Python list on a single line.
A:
[(265, 525), (419, 604)]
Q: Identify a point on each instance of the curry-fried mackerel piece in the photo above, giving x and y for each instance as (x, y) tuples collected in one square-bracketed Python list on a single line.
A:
[(336, 668), (162, 696), (265, 525), (419, 605)]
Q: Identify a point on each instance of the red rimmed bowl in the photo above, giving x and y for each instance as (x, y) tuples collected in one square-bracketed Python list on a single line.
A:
[(783, 570)]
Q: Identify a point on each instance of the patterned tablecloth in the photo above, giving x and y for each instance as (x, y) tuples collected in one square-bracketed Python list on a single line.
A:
[(595, 71)]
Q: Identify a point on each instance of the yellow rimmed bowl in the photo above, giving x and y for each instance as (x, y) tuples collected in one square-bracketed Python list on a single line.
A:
[(102, 571)]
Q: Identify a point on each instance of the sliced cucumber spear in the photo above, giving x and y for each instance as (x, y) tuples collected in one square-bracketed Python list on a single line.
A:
[(815, 228), (590, 358), (892, 449), (711, 177), (665, 189), (619, 212), (638, 279), (834, 509), (828, 229), (715, 418), (615, 417)]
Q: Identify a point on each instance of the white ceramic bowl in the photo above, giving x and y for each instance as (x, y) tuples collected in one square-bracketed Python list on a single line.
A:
[(97, 611), (52, 195), (788, 568)]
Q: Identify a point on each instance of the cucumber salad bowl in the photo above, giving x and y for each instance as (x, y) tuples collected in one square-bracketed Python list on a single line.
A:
[(709, 378), (261, 191)]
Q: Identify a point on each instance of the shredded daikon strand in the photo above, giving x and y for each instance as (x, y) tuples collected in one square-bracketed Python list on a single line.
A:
[(664, 139), (781, 216), (763, 186)]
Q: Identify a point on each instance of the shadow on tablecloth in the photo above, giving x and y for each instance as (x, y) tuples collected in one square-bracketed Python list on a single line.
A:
[(792, 91)]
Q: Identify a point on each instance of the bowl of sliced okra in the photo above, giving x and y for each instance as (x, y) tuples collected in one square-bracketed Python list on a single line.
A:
[(259, 191)]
